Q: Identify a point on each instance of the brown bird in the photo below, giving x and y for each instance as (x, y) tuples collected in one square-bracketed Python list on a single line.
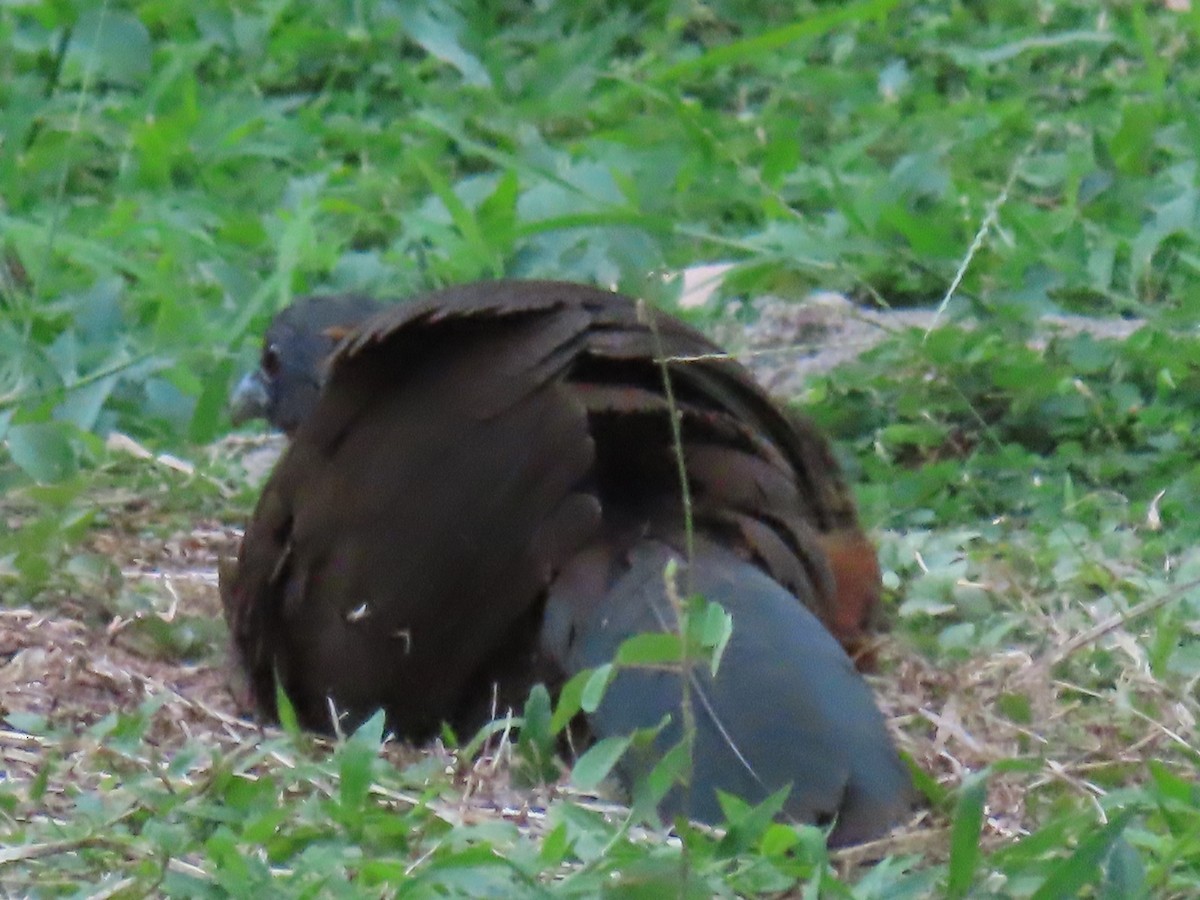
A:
[(301, 338), (486, 492)]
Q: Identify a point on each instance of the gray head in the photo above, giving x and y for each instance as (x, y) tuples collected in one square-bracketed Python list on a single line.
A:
[(291, 372)]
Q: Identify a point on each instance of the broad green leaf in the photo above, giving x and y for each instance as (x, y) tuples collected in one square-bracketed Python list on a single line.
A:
[(1083, 866), (536, 740), (44, 451), (109, 44), (964, 834), (716, 630), (672, 768), (570, 700), (442, 38), (1125, 873), (748, 823), (287, 713), (356, 756), (594, 687), (650, 649), (597, 762), (84, 402)]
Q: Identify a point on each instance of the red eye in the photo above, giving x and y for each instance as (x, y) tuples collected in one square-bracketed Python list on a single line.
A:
[(270, 360)]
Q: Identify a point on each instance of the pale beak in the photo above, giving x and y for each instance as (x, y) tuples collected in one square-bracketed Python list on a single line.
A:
[(249, 399)]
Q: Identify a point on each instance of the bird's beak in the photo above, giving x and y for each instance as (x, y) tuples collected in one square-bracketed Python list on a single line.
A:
[(249, 399)]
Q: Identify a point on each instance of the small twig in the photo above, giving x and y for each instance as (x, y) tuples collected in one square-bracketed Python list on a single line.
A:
[(685, 492), (1115, 621), (20, 396), (27, 852), (989, 222), (1134, 711), (687, 711)]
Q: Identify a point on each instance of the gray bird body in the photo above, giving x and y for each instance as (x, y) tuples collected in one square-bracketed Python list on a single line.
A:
[(786, 707)]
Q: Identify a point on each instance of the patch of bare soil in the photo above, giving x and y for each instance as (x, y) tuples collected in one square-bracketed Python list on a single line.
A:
[(70, 674), (788, 342)]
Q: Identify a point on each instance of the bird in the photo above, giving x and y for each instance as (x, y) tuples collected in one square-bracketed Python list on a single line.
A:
[(486, 490), (284, 388)]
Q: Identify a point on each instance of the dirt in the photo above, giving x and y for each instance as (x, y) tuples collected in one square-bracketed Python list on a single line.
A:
[(788, 342)]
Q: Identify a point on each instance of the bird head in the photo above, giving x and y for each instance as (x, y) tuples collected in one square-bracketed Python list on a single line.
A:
[(291, 370)]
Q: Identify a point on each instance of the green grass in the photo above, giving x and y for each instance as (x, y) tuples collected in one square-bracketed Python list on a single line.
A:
[(171, 173)]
